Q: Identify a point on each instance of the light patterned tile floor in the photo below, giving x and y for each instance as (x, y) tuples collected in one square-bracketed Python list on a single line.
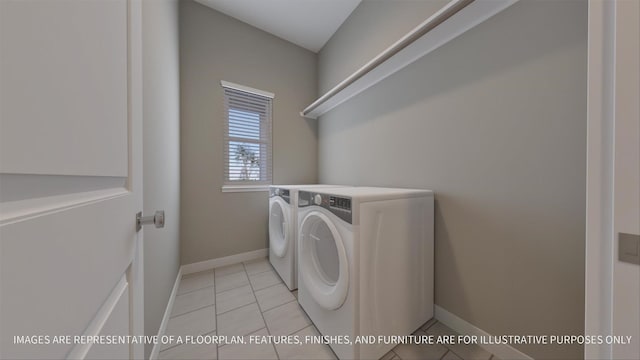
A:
[(249, 300)]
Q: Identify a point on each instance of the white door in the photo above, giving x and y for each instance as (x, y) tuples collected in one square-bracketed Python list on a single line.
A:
[(612, 287), (626, 184), (70, 178)]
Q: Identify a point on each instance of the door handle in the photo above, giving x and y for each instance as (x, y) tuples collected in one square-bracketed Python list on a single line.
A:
[(157, 219)]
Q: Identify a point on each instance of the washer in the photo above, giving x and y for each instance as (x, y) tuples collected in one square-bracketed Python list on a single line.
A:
[(365, 264), (283, 230)]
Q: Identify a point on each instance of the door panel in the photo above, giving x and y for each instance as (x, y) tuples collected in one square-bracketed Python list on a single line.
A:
[(118, 309), (24, 187), (63, 87), (56, 273), (70, 176)]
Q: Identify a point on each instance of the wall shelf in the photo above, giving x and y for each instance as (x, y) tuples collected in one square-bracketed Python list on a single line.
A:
[(451, 21)]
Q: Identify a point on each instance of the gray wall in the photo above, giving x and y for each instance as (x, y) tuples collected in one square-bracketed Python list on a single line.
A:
[(495, 123), (161, 151), (216, 47), (371, 28)]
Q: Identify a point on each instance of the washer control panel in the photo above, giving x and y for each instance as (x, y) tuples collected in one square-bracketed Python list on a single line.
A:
[(338, 205), (283, 193)]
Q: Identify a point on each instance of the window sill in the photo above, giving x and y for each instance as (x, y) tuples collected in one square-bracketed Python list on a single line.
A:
[(244, 188)]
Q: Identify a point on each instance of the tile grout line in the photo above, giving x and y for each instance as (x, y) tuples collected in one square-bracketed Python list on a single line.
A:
[(176, 345), (233, 273), (307, 316), (445, 353), (260, 272), (455, 353), (280, 283), (261, 313), (318, 331), (199, 273), (194, 290), (268, 286), (243, 269), (235, 288), (394, 354), (249, 277), (447, 347), (190, 311), (239, 307), (215, 313), (312, 325), (460, 355), (172, 317), (245, 305), (277, 306)]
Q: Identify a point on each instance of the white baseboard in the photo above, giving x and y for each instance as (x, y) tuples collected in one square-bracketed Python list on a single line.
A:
[(194, 268), (167, 314), (223, 261), (465, 328)]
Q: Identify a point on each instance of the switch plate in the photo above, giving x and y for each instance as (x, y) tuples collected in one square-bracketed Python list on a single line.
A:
[(629, 248)]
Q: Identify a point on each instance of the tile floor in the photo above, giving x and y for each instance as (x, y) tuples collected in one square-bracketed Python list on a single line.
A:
[(248, 299)]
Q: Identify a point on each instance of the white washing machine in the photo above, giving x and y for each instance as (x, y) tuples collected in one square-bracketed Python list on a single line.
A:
[(283, 230), (366, 263)]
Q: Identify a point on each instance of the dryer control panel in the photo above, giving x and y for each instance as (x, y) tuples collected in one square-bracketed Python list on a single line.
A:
[(283, 193), (338, 205)]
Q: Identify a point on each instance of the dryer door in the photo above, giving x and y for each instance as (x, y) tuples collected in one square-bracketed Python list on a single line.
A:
[(323, 261), (279, 220)]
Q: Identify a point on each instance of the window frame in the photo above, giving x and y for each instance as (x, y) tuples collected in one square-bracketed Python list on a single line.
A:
[(265, 138)]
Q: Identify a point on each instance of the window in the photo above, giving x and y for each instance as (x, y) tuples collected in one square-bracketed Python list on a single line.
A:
[(247, 138)]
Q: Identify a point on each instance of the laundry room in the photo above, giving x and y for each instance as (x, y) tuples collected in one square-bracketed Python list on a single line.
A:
[(320, 179)]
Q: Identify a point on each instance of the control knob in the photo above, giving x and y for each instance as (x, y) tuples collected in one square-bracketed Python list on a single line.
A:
[(317, 199)]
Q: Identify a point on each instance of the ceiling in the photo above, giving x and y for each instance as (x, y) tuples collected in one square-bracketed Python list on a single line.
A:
[(307, 23)]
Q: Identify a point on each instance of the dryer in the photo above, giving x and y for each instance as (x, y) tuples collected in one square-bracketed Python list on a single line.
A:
[(283, 230), (366, 263)]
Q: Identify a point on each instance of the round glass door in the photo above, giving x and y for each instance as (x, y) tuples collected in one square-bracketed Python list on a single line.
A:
[(323, 261), (278, 223)]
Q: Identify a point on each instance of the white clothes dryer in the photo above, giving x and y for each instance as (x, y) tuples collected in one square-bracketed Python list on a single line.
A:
[(283, 230), (365, 264)]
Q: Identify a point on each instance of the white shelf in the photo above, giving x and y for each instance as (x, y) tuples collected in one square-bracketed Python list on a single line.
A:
[(375, 71)]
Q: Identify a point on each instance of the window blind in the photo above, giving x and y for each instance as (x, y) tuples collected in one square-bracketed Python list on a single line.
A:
[(247, 135)]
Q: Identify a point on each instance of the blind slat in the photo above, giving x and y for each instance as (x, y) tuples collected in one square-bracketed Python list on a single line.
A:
[(246, 96), (239, 140), (235, 125), (254, 108), (243, 134)]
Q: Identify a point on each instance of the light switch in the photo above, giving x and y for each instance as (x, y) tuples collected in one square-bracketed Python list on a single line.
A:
[(629, 248)]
